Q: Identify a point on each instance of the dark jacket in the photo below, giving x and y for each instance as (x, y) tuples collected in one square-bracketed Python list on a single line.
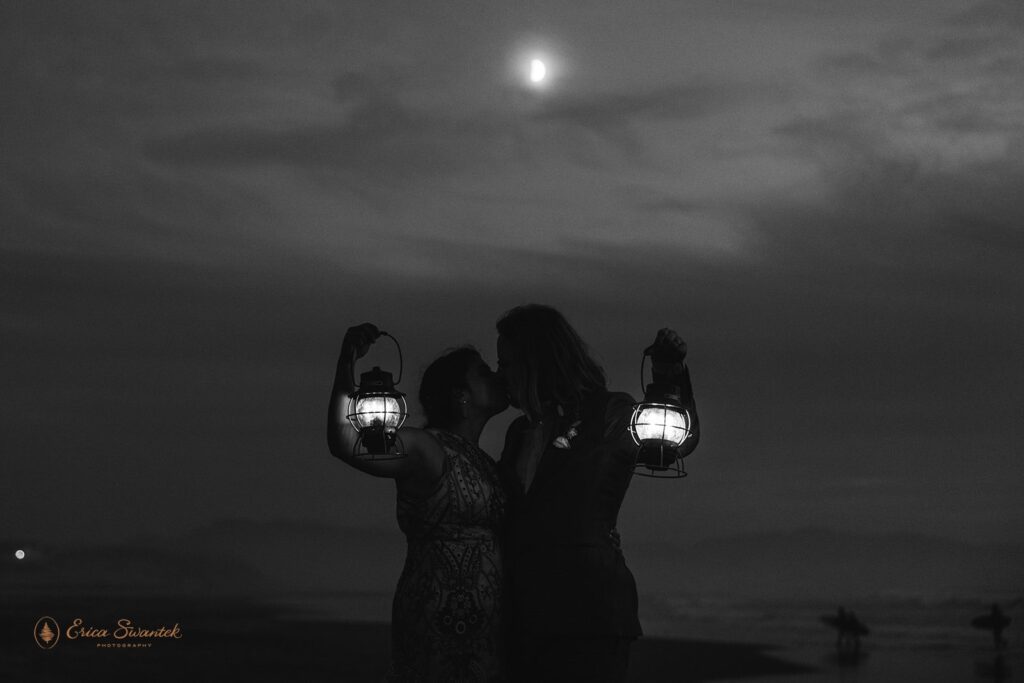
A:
[(567, 576)]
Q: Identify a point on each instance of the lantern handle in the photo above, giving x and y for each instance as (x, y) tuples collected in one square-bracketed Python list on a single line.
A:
[(647, 352), (401, 364)]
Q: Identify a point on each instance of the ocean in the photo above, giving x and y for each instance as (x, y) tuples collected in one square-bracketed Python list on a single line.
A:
[(912, 638)]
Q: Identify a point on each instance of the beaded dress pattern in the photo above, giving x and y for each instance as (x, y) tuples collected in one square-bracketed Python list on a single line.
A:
[(446, 615)]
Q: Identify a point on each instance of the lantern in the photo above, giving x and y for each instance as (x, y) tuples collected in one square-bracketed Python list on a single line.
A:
[(659, 426), (378, 412)]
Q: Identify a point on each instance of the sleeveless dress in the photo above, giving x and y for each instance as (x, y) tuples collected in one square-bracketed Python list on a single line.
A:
[(446, 619)]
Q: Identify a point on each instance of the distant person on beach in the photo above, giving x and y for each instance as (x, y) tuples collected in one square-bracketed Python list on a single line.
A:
[(567, 462), (999, 624), (447, 620), (996, 622), (849, 629)]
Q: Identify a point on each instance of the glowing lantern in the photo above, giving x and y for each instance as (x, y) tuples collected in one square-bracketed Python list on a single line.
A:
[(659, 426), (378, 411)]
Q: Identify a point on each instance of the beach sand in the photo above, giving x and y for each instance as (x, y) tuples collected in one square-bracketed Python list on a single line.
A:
[(239, 641), (224, 640)]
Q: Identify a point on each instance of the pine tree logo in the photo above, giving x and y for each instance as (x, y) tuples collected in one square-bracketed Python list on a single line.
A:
[(47, 632)]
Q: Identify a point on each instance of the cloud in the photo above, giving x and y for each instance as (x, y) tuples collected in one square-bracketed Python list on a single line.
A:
[(377, 136), (217, 69), (608, 112), (852, 63), (916, 152), (383, 138), (991, 13)]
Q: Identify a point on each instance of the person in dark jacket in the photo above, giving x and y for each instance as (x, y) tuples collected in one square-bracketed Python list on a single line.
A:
[(566, 465)]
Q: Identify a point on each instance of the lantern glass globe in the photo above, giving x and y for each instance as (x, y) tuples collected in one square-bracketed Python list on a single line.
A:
[(379, 412), (668, 425)]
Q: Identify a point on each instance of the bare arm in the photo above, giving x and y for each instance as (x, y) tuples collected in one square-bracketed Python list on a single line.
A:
[(668, 364)]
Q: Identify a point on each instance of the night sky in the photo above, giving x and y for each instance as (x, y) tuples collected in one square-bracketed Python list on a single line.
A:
[(823, 198)]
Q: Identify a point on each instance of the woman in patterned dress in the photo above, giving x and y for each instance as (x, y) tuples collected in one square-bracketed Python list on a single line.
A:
[(446, 615)]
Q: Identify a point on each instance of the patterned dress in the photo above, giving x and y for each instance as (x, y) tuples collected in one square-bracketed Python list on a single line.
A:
[(446, 617)]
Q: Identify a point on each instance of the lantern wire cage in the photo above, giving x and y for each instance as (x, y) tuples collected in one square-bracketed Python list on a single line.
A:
[(378, 413), (658, 428)]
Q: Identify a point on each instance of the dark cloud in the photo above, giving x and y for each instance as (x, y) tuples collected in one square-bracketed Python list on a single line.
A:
[(888, 206), (991, 13), (616, 116), (378, 136), (379, 140), (383, 138), (902, 271), (985, 41), (918, 169), (853, 63), (670, 205), (217, 69), (955, 48), (681, 101)]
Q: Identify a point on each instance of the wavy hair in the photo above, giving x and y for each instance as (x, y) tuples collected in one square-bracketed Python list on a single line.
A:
[(441, 380), (554, 362)]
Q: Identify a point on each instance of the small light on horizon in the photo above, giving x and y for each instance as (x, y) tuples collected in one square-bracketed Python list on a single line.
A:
[(20, 554)]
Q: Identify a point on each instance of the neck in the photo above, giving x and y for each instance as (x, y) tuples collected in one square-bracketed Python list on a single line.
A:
[(470, 428)]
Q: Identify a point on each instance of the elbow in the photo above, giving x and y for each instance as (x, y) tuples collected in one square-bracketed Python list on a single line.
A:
[(333, 450), (336, 446)]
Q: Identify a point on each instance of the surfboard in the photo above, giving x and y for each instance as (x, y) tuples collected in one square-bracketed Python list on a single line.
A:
[(847, 624), (991, 622)]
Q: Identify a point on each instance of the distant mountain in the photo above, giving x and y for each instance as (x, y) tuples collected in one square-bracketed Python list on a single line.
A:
[(227, 558), (288, 558), (815, 562), (127, 569), (302, 556)]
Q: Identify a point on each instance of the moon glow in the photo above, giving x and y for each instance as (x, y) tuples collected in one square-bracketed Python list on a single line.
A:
[(537, 71)]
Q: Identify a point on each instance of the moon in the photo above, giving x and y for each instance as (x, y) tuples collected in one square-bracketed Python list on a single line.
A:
[(537, 71), (20, 554)]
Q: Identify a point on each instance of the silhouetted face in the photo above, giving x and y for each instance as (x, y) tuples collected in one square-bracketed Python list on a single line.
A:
[(484, 389), (508, 370)]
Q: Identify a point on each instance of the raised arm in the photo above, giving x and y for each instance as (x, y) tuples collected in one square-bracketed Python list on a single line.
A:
[(422, 451), (668, 364)]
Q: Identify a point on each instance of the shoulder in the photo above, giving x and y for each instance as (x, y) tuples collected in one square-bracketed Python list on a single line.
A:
[(618, 402), (515, 429), (450, 443), (518, 424), (422, 442), (608, 406), (513, 436), (614, 410)]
